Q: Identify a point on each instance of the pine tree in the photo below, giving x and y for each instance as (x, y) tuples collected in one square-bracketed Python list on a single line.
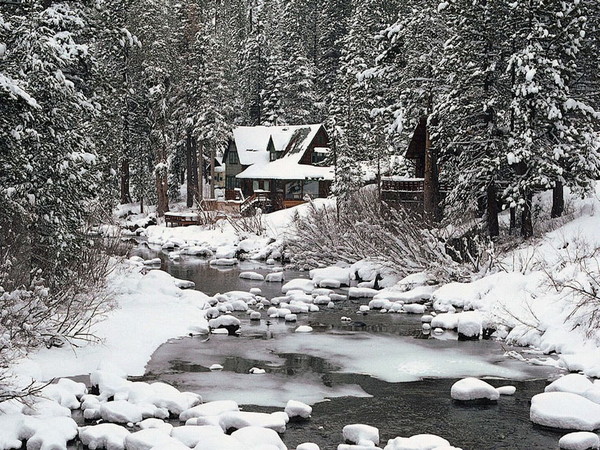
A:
[(48, 176), (471, 114), (551, 133)]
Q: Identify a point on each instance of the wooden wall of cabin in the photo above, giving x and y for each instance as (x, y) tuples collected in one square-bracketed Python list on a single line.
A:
[(320, 140)]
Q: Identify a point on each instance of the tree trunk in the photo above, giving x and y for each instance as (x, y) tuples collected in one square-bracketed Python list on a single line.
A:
[(200, 170), (125, 196), (212, 173), (190, 170), (431, 186), (526, 220), (558, 200), (142, 205), (492, 211), (193, 174), (162, 183), (513, 221)]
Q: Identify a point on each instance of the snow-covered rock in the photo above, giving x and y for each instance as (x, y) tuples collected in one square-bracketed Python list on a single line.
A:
[(579, 440), (356, 292), (191, 435), (148, 439), (564, 410), (304, 329), (573, 382), (259, 437), (209, 409), (294, 408), (301, 284), (104, 435), (197, 251), (242, 419), (252, 276), (339, 274), (223, 262), (275, 277), (308, 446), (417, 442), (414, 308), (361, 434), (470, 324), (121, 411), (506, 390), (473, 389)]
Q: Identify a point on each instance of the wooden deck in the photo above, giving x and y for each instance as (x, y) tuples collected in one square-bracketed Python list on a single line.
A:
[(177, 219)]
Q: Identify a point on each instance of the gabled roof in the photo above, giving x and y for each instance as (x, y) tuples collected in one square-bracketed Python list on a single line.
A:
[(252, 142), (287, 168)]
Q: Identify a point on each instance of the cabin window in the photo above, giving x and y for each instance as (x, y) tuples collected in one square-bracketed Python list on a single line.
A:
[(318, 157), (262, 185), (293, 190), (311, 188), (231, 182), (233, 158)]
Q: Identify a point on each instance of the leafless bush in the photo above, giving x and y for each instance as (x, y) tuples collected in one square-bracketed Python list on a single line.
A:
[(365, 229), (576, 275), (253, 224), (39, 312)]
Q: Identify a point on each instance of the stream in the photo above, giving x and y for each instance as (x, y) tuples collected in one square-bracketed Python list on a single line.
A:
[(378, 369)]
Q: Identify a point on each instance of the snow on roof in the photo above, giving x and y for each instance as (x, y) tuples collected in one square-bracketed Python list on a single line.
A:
[(252, 142), (287, 168)]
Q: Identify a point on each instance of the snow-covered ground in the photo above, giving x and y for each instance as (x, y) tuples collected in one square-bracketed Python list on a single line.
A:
[(531, 298)]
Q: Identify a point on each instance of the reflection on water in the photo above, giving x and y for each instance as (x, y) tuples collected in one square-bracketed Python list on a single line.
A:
[(355, 367)]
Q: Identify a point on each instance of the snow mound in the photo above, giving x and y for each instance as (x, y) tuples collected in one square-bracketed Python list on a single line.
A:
[(242, 419), (298, 409), (573, 383), (473, 389), (209, 409), (254, 276), (339, 274), (150, 438), (417, 442), (104, 435), (565, 410), (579, 440), (191, 435), (356, 292), (301, 284), (275, 277), (361, 434), (258, 437)]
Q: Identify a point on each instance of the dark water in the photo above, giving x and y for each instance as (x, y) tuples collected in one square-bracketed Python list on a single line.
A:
[(327, 371)]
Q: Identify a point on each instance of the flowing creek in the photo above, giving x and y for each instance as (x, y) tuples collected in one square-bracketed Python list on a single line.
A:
[(378, 369)]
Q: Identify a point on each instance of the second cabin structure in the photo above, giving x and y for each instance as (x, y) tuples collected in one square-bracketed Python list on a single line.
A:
[(422, 192), (279, 167)]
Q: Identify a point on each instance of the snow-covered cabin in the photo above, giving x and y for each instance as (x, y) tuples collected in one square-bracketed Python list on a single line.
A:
[(285, 163)]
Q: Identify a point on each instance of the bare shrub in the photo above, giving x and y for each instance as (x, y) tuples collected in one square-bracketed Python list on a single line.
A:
[(576, 275), (362, 228), (40, 312), (252, 224)]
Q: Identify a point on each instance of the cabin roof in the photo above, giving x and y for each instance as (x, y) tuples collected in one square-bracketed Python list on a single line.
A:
[(416, 146), (252, 142), (287, 168)]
